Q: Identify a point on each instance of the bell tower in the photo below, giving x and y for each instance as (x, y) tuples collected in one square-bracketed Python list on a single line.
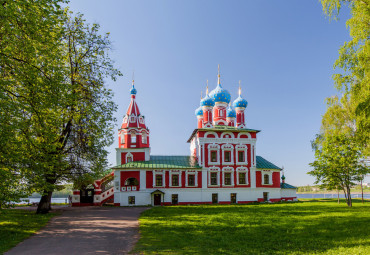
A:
[(133, 136)]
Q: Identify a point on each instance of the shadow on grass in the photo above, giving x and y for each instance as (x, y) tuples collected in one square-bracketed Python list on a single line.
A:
[(264, 229), (16, 225)]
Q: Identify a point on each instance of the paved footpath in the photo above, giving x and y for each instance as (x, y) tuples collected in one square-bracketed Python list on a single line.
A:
[(86, 230)]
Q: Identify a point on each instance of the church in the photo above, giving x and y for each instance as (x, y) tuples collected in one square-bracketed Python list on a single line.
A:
[(222, 168)]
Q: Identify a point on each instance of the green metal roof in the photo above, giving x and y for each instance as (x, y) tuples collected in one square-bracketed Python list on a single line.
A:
[(287, 186), (164, 162), (263, 163), (181, 162)]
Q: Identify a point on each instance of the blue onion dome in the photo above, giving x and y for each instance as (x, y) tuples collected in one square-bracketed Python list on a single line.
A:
[(199, 111), (133, 91), (240, 102), (231, 113), (207, 101), (220, 95)]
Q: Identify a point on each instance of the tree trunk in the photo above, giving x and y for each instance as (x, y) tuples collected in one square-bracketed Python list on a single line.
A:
[(338, 195), (362, 192), (349, 199), (45, 203)]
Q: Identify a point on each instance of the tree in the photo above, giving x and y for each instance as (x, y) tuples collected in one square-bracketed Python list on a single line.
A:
[(27, 34), (354, 64), (345, 131), (338, 163), (54, 67)]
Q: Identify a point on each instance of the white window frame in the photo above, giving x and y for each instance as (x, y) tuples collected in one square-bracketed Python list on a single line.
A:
[(214, 170), (242, 170), (269, 173), (122, 138), (189, 172), (244, 148), (159, 172), (133, 135), (228, 170), (227, 147), (141, 120), (129, 155), (214, 147), (144, 138), (227, 135), (175, 172), (124, 119), (132, 119)]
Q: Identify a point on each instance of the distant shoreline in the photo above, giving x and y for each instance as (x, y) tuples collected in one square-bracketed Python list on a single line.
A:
[(332, 192)]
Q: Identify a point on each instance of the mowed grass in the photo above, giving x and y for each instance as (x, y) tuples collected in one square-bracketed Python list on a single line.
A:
[(17, 224), (309, 227)]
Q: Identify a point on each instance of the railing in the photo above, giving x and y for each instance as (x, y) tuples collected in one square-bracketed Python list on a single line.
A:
[(107, 195)]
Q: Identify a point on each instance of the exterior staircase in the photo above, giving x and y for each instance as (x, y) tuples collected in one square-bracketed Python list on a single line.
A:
[(103, 192)]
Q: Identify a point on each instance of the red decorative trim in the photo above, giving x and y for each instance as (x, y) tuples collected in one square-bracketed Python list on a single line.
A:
[(274, 200), (76, 192), (82, 204), (224, 202), (194, 203), (117, 204)]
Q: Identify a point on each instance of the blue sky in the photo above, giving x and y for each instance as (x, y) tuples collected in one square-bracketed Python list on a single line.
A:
[(282, 51)]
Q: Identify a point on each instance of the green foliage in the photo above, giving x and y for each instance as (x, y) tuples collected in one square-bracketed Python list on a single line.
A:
[(56, 113), (17, 225), (337, 163), (345, 131), (354, 64), (287, 228)]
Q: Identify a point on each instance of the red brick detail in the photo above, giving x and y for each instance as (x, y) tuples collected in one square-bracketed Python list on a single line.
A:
[(195, 203), (224, 202), (130, 174), (273, 200), (82, 204), (149, 179), (76, 192), (137, 156), (275, 180)]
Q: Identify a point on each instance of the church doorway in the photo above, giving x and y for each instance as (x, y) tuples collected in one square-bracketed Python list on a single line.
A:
[(157, 199)]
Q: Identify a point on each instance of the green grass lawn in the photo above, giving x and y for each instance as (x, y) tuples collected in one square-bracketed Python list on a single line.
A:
[(16, 225), (309, 227)]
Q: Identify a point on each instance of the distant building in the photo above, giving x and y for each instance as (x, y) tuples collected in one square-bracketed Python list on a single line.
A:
[(222, 167)]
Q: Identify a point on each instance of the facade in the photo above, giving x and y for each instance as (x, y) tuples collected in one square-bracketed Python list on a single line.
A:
[(222, 167)]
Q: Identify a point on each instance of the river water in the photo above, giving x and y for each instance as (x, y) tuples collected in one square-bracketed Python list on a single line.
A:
[(56, 200)]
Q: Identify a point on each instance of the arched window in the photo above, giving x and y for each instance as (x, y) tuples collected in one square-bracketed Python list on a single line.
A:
[(220, 113), (122, 138), (266, 179), (143, 138), (129, 159), (133, 137), (131, 182)]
